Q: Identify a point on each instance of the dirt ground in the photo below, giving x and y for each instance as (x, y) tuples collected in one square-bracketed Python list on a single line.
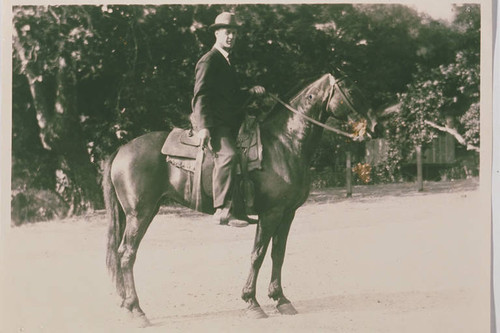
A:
[(388, 259)]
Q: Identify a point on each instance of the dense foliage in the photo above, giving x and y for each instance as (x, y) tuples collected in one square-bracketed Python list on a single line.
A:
[(444, 98), (87, 79)]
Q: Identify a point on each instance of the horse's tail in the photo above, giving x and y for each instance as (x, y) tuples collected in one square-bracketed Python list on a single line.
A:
[(116, 226)]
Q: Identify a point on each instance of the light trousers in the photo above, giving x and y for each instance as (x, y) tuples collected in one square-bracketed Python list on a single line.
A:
[(223, 141)]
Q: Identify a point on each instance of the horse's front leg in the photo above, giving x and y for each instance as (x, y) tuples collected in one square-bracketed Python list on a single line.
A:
[(265, 229), (284, 306)]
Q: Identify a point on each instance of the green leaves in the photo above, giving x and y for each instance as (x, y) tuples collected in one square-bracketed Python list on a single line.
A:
[(132, 67), (445, 91)]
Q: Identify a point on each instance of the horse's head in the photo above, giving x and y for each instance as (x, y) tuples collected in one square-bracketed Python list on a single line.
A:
[(346, 103), (340, 100)]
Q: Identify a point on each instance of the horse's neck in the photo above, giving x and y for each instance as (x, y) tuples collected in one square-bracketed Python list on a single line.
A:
[(294, 132)]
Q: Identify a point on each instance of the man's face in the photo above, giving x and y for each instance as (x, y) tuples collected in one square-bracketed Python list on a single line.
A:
[(225, 37)]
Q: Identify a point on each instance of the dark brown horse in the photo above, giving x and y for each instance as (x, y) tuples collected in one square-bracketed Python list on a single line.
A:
[(137, 178)]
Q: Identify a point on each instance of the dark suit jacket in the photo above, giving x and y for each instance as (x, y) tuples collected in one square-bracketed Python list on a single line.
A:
[(218, 98)]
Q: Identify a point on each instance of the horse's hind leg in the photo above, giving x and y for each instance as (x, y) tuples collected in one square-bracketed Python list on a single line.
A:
[(135, 229), (278, 255)]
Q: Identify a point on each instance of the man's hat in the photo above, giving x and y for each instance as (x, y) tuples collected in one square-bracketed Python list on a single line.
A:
[(224, 20)]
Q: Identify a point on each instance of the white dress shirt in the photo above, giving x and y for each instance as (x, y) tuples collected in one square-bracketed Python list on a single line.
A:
[(224, 53)]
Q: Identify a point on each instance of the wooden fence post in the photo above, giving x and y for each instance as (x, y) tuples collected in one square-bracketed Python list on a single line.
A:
[(348, 174), (420, 178)]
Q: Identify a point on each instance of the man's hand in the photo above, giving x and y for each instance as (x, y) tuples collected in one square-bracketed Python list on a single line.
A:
[(204, 135), (257, 90)]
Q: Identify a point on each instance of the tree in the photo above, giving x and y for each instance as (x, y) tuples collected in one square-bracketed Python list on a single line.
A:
[(443, 94), (98, 76), (447, 92), (438, 98), (87, 79), (49, 51)]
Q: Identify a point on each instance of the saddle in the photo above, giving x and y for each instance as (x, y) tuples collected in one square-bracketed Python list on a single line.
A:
[(183, 150)]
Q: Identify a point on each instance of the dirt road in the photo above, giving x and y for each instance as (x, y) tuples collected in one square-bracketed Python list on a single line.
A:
[(387, 260)]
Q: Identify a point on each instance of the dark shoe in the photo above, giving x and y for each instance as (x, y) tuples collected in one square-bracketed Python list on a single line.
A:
[(223, 217)]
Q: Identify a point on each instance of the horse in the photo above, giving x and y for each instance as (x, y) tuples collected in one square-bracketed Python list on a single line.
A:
[(137, 179)]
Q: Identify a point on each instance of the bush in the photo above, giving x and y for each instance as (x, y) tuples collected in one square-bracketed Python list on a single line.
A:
[(36, 205), (383, 173), (327, 177)]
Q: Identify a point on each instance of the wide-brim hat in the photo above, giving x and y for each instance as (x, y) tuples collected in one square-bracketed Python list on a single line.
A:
[(225, 20)]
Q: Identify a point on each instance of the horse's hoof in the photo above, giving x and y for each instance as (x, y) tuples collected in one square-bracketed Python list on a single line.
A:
[(286, 309), (256, 312), (142, 321), (139, 320)]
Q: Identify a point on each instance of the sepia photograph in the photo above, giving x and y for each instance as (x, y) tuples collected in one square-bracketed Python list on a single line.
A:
[(246, 167)]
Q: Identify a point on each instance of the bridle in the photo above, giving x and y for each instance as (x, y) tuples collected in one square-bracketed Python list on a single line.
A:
[(345, 98), (314, 121)]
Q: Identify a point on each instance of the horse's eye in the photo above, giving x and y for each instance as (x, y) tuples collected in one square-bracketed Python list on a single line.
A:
[(310, 96)]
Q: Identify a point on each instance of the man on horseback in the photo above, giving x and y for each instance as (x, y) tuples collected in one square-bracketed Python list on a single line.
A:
[(217, 113)]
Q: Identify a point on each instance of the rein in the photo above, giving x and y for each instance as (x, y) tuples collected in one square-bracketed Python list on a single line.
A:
[(314, 121)]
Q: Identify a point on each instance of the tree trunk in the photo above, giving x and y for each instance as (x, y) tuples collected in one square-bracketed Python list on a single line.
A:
[(420, 178), (61, 132), (35, 84), (348, 174), (82, 190)]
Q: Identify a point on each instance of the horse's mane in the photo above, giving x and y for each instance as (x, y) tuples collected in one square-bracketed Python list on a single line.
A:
[(351, 93), (299, 86)]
